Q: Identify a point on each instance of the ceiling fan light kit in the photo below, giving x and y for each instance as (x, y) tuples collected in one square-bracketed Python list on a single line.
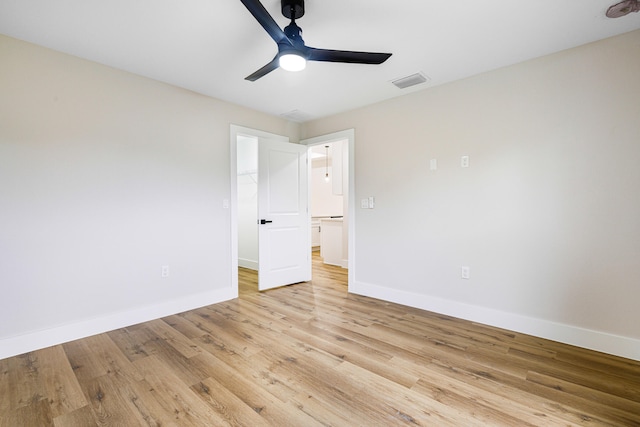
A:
[(292, 51), (292, 62)]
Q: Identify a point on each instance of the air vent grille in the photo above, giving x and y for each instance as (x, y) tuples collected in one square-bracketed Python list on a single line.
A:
[(412, 80), (296, 116)]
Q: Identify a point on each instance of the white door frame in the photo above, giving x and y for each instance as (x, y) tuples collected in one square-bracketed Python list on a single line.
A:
[(349, 136), (234, 131)]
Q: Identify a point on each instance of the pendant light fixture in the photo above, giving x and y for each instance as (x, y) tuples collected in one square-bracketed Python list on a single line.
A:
[(326, 164)]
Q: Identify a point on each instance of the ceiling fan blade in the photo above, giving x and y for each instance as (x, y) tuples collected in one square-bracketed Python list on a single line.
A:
[(327, 55), (274, 64), (623, 8), (268, 23)]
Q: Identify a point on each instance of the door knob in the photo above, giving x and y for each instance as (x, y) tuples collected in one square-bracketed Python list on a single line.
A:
[(264, 221)]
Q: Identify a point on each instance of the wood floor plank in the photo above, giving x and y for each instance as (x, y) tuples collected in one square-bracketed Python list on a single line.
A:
[(6, 374), (621, 410), (231, 340), (173, 337), (231, 408), (548, 402), (96, 356), (179, 403), (256, 367), (356, 354), (312, 354), (59, 386), (181, 366), (597, 380), (326, 386), (264, 394), (82, 417), (132, 342), (184, 326), (21, 385), (453, 391), (109, 403), (37, 413), (623, 368)]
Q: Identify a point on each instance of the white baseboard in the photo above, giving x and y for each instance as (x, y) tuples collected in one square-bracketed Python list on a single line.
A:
[(13, 346), (248, 263), (585, 338)]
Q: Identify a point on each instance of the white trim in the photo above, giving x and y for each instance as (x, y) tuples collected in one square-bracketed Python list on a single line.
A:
[(31, 341), (585, 338), (248, 263), (350, 136)]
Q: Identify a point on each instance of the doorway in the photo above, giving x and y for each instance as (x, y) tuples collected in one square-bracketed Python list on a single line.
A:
[(328, 201), (272, 209), (345, 140), (341, 181)]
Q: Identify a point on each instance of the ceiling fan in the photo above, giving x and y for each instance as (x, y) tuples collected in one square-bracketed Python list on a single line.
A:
[(292, 52), (623, 8)]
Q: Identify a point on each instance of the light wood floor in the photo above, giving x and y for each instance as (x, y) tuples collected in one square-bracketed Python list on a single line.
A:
[(311, 355)]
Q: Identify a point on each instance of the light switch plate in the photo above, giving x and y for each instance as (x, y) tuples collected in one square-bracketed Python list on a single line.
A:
[(433, 164), (364, 204)]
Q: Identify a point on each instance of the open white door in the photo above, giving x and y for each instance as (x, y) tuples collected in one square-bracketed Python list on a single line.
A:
[(284, 225)]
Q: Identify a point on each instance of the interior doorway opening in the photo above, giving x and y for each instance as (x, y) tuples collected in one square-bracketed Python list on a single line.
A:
[(345, 140), (328, 201), (244, 175), (272, 210)]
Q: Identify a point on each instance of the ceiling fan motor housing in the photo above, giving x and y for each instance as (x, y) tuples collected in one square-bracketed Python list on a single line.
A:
[(292, 50), (293, 9)]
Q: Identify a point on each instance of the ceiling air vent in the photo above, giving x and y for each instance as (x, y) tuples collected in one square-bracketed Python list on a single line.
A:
[(296, 116), (412, 80)]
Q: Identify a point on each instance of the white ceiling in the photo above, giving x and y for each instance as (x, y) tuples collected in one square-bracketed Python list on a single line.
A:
[(209, 46)]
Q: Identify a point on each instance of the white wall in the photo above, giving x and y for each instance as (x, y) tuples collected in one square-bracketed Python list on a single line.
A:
[(548, 215), (104, 178), (323, 201), (248, 202)]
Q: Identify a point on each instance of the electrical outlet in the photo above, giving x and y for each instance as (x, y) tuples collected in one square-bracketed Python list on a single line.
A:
[(165, 271), (464, 272), (464, 161)]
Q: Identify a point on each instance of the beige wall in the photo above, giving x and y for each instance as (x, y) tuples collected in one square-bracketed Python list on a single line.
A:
[(548, 215), (104, 178)]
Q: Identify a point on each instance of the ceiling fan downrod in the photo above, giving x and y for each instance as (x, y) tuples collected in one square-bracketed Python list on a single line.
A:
[(293, 9)]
